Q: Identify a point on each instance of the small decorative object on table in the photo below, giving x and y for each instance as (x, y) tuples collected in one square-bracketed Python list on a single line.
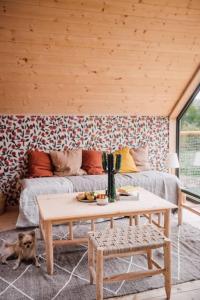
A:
[(128, 193), (111, 165), (102, 199)]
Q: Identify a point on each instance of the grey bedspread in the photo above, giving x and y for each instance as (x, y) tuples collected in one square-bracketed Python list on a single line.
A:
[(33, 187), (162, 184)]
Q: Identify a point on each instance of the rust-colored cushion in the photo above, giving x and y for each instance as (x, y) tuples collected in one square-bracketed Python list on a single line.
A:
[(68, 162), (92, 162), (39, 164), (141, 158)]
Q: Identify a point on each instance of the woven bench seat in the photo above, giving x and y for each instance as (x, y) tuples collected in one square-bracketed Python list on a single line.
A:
[(127, 241), (130, 238)]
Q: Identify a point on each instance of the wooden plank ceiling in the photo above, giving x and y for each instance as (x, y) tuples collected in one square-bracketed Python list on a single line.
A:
[(96, 57)]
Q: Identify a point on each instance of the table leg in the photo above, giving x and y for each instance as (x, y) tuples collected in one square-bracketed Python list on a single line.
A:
[(111, 222), (181, 199), (93, 225), (150, 218), (167, 215), (137, 219), (90, 260), (41, 226), (48, 246)]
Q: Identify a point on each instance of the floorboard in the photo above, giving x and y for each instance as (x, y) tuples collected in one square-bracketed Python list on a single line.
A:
[(8, 219), (184, 291)]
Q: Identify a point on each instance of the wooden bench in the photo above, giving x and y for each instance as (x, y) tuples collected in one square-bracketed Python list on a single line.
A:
[(127, 241)]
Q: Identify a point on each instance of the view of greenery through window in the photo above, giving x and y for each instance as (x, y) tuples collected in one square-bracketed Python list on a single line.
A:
[(189, 147)]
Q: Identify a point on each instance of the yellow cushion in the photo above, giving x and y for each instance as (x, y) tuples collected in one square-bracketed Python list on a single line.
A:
[(127, 163)]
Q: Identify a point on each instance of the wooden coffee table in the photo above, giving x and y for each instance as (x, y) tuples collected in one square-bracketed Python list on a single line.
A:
[(64, 208)]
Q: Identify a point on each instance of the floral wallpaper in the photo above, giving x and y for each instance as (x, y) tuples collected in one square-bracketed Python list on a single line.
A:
[(21, 133)]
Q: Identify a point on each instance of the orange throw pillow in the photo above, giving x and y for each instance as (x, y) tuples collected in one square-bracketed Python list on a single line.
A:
[(39, 164), (92, 162)]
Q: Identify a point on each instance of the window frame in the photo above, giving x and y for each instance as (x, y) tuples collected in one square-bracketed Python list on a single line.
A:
[(178, 119)]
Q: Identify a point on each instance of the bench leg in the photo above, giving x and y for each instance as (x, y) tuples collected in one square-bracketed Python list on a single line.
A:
[(167, 266), (149, 259), (160, 219), (71, 231), (99, 275)]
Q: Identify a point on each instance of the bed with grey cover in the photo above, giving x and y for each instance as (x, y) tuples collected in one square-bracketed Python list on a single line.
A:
[(162, 184)]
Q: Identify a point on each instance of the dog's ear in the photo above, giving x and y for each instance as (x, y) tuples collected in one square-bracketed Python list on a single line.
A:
[(32, 233), (20, 236)]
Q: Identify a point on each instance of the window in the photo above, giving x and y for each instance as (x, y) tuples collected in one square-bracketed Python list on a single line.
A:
[(188, 144)]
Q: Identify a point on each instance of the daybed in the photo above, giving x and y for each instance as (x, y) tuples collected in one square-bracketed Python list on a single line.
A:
[(162, 184)]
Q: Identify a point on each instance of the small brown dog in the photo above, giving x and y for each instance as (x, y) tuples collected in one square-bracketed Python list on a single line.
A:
[(24, 249)]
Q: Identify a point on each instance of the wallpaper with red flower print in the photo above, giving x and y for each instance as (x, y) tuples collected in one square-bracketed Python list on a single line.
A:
[(18, 134)]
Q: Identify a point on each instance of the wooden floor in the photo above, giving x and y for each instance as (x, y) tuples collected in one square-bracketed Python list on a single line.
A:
[(184, 291), (8, 219)]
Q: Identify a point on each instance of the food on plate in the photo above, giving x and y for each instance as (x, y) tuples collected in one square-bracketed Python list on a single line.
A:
[(90, 196), (127, 190), (101, 196), (80, 196), (120, 190), (86, 196), (123, 192)]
